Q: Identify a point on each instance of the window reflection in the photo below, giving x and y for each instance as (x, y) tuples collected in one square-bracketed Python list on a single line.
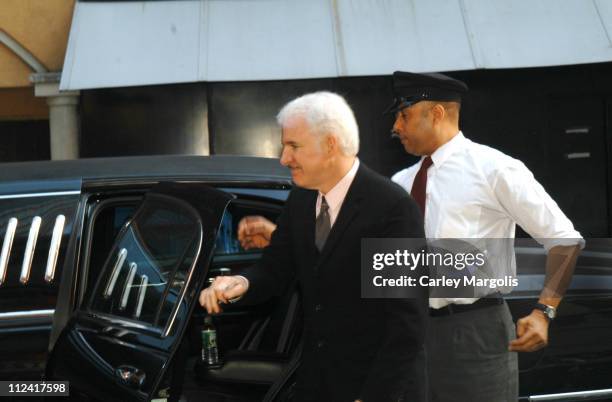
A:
[(146, 269)]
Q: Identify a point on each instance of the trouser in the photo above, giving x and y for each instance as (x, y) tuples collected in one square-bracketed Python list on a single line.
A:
[(468, 358)]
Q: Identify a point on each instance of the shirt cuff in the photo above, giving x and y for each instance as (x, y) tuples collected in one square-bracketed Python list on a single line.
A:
[(246, 280), (569, 241)]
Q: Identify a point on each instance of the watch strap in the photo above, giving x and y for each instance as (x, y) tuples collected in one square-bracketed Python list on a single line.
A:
[(549, 311)]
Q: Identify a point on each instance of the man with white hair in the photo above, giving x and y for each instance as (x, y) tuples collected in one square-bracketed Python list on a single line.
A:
[(354, 348)]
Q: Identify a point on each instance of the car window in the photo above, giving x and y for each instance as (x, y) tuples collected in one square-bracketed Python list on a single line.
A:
[(109, 215), (146, 269), (227, 240), (108, 220)]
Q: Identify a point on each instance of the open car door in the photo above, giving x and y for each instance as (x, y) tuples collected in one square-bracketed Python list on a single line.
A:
[(118, 343)]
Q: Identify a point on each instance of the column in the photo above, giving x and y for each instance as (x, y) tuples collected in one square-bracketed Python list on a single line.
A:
[(63, 115), (64, 126)]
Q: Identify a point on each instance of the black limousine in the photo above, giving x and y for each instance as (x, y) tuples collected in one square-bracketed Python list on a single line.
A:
[(102, 260)]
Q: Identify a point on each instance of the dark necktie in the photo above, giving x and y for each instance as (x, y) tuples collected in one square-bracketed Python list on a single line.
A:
[(420, 184), (322, 225)]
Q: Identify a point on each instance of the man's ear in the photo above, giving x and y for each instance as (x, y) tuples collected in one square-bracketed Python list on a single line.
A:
[(331, 143), (438, 112)]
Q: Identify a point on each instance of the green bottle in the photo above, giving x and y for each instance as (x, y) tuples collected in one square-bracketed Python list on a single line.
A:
[(210, 354)]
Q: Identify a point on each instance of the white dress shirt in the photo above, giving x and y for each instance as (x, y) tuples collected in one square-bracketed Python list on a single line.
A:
[(474, 191), (335, 197)]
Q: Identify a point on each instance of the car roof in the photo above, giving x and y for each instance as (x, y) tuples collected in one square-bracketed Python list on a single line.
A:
[(166, 166)]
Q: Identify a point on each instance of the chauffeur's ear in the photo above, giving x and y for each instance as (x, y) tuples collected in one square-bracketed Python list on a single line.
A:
[(438, 113)]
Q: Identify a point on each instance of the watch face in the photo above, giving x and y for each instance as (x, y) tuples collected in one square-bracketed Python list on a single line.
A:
[(549, 311)]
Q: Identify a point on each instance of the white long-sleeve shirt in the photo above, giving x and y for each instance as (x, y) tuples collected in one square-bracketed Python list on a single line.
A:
[(474, 191)]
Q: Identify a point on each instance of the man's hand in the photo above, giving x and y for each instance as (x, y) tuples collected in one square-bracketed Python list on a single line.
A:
[(222, 290), (255, 232), (531, 332)]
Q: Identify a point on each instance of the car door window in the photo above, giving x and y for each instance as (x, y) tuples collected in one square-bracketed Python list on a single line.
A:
[(109, 216), (150, 262), (227, 243)]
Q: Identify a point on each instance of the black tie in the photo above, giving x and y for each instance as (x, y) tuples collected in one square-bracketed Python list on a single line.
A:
[(322, 225)]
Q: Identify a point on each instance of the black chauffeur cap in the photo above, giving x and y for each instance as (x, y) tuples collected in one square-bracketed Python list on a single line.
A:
[(410, 88)]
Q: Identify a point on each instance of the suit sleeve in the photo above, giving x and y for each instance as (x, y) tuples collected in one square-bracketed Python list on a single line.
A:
[(275, 270), (398, 369)]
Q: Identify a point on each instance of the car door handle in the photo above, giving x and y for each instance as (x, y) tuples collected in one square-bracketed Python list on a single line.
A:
[(131, 376)]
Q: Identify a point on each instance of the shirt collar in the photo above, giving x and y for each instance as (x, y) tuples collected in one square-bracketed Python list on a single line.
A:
[(445, 151), (336, 195)]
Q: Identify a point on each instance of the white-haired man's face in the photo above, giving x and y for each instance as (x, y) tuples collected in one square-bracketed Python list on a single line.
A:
[(306, 155)]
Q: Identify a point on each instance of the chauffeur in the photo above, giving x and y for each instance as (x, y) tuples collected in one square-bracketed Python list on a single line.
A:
[(468, 190), (354, 348)]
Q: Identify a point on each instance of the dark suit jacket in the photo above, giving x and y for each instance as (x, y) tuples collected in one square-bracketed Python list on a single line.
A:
[(369, 349)]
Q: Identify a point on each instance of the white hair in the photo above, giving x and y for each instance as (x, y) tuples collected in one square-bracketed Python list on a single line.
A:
[(325, 113)]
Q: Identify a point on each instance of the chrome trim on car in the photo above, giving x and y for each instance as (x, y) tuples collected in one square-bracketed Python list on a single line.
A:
[(128, 286), (9, 236), (28, 255), (31, 195), (125, 322), (56, 240), (580, 130), (27, 314), (573, 396), (184, 289), (144, 282), (578, 155), (110, 286)]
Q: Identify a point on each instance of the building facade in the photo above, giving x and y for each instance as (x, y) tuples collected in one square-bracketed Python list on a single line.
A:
[(36, 120)]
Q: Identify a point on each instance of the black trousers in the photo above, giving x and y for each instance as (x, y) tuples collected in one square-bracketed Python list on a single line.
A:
[(468, 358)]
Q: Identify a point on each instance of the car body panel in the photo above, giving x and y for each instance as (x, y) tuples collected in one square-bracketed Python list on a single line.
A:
[(36, 223), (579, 354)]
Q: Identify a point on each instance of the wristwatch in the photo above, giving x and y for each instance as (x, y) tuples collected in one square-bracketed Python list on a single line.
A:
[(549, 311)]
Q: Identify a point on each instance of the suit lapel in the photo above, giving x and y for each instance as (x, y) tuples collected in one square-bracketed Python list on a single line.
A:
[(347, 215)]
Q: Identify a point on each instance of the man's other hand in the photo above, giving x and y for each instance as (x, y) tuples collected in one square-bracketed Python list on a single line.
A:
[(222, 290), (255, 232), (531, 332)]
